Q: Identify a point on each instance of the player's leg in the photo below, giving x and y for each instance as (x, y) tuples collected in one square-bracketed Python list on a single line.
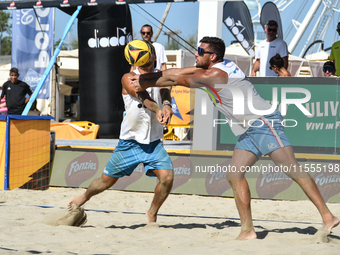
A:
[(285, 157), (240, 160), (162, 191), (96, 187)]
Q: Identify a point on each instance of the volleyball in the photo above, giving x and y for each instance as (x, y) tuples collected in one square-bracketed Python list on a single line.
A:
[(137, 52)]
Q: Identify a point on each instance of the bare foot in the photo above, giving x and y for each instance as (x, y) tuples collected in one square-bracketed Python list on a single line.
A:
[(246, 235), (329, 224), (78, 201), (150, 217)]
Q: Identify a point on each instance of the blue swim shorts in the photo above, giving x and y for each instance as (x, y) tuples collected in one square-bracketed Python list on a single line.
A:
[(129, 154), (265, 135)]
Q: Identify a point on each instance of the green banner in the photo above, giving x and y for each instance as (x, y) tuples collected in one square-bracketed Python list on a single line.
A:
[(318, 133)]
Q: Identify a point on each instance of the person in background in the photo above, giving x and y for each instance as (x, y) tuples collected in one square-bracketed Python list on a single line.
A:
[(277, 65), (329, 69), (15, 92), (335, 53), (269, 48), (147, 33)]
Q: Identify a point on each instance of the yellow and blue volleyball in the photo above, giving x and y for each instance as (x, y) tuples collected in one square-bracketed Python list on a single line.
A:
[(137, 52)]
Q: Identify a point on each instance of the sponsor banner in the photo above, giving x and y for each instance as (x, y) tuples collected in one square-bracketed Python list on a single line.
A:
[(32, 46), (182, 105), (19, 4), (200, 175), (236, 17), (317, 133), (103, 32), (270, 12)]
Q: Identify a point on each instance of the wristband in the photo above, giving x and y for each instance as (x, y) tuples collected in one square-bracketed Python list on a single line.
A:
[(167, 103)]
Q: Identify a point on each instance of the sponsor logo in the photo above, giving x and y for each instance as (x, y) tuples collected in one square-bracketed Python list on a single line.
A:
[(81, 169), (182, 171), (272, 146), (328, 182), (99, 41), (92, 3), (271, 183), (65, 4), (12, 6), (216, 182)]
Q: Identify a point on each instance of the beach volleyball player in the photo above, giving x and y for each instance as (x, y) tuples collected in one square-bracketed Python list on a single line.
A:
[(255, 140), (140, 135)]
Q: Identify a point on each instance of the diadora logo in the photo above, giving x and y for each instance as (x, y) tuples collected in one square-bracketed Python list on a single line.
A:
[(103, 42)]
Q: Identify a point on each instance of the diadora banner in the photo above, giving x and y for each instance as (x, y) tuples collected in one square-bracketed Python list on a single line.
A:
[(310, 114), (32, 45)]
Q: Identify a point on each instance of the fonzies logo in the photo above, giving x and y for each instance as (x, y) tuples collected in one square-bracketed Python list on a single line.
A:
[(100, 41), (81, 169)]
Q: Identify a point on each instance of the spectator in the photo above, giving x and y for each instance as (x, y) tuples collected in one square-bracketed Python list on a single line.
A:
[(335, 53), (276, 64), (15, 92), (147, 33), (267, 49), (329, 69)]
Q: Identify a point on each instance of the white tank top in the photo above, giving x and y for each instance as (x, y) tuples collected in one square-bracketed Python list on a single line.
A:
[(240, 118), (140, 124), (230, 68)]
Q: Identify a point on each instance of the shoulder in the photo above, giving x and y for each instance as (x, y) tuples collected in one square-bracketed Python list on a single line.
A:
[(157, 45), (210, 73)]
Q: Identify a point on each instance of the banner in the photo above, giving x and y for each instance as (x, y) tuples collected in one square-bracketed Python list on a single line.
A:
[(32, 46), (237, 18), (317, 133), (103, 33), (270, 12)]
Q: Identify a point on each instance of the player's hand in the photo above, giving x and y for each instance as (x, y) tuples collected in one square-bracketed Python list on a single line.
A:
[(167, 113), (160, 116), (135, 82)]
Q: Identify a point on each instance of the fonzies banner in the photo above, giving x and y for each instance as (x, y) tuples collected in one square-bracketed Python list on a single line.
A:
[(237, 18), (32, 42)]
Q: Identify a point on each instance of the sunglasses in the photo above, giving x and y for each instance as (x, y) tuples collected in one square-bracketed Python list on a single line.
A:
[(201, 52), (274, 30), (329, 69), (338, 30), (145, 33)]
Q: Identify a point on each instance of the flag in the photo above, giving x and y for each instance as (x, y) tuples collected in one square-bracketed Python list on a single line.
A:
[(32, 45)]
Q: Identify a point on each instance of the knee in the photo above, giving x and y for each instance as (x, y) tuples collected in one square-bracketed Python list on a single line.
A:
[(167, 179)]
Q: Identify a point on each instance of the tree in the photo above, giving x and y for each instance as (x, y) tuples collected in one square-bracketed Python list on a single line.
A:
[(6, 45), (188, 43), (5, 27)]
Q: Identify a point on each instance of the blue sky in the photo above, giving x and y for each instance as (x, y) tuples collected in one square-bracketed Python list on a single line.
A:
[(184, 17)]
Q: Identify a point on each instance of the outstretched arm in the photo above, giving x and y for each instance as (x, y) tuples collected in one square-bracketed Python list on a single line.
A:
[(210, 77)]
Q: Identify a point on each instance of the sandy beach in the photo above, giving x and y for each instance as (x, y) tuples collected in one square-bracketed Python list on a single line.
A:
[(188, 224)]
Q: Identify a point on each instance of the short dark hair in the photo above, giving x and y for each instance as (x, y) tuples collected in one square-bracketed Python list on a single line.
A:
[(14, 70), (153, 51), (146, 25), (216, 45), (329, 64), (272, 23), (276, 60)]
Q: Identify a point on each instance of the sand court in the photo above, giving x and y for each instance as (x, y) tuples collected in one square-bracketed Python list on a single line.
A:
[(187, 224)]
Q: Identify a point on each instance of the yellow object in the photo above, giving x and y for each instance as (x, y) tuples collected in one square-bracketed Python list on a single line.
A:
[(137, 52), (75, 130)]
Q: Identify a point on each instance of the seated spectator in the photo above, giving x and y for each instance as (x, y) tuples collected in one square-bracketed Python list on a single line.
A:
[(277, 65), (329, 69)]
